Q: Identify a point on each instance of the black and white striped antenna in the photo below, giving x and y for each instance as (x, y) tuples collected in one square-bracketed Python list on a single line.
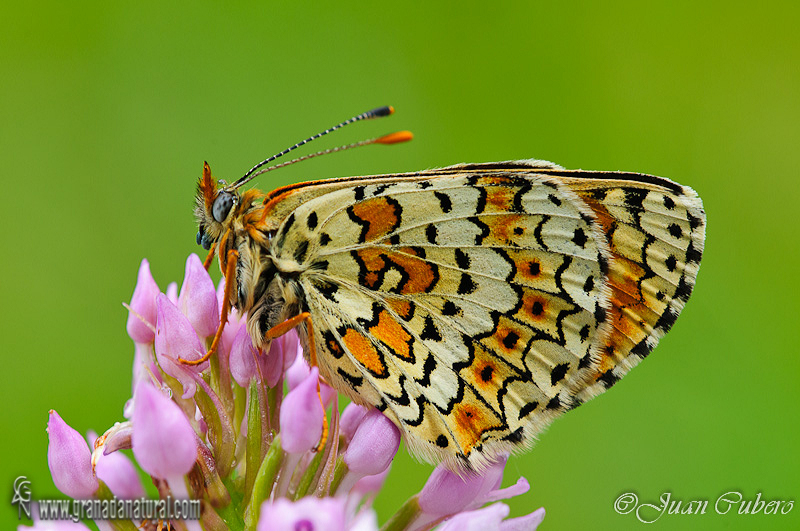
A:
[(380, 112)]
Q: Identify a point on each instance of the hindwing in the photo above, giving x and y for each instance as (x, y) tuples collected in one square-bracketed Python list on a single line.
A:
[(474, 304)]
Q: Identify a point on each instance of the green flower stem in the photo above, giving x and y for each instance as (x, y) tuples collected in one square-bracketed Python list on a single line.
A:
[(254, 437), (221, 381), (404, 516), (308, 477), (239, 407), (220, 429), (232, 516), (338, 474), (265, 480)]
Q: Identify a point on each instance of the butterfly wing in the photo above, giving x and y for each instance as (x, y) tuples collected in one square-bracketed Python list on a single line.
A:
[(472, 304)]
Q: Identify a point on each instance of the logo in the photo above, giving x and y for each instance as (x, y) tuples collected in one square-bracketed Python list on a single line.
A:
[(22, 496)]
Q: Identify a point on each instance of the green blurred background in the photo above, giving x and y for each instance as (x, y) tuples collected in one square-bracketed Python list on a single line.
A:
[(107, 111)]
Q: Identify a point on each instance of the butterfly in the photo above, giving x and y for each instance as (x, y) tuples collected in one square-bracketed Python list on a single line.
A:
[(471, 304)]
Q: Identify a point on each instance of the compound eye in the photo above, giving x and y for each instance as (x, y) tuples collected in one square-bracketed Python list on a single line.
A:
[(222, 205)]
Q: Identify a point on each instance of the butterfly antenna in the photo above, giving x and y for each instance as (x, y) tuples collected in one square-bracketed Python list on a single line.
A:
[(380, 112), (391, 138)]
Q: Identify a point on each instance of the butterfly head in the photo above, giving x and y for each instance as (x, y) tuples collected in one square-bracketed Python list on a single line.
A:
[(214, 207)]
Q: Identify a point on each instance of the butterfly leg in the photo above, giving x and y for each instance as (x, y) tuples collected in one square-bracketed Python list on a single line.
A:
[(230, 272), (280, 329), (210, 257)]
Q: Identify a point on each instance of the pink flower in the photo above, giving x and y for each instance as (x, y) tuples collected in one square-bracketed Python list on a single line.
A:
[(306, 514), (117, 471), (298, 371), (70, 460), (143, 306), (198, 298), (302, 416), (164, 443), (446, 493), (351, 418), (176, 339), (373, 446), (243, 358)]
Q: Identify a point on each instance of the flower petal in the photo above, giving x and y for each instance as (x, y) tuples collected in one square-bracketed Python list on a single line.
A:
[(143, 306), (118, 472), (524, 523), (301, 416), (70, 460), (447, 493), (373, 446), (198, 298), (478, 520), (310, 513), (164, 442), (176, 338), (242, 359)]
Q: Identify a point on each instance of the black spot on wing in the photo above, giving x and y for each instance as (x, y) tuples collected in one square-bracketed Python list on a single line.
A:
[(444, 201), (430, 234), (311, 221), (429, 331)]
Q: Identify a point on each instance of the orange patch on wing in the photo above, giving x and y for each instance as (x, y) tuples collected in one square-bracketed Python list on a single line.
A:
[(421, 275), (529, 270), (499, 199), (534, 307), (603, 217), (382, 215), (630, 315), (391, 333), (374, 262), (508, 339), (491, 180), (334, 346), (401, 307), (471, 420), (364, 351), (502, 228)]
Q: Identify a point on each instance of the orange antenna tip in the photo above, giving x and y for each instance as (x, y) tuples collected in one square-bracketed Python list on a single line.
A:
[(395, 138)]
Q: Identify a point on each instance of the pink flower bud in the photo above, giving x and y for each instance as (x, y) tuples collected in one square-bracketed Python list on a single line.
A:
[(298, 371), (172, 292), (301, 416), (164, 443), (272, 362), (373, 446), (243, 358), (176, 338), (198, 298), (70, 460), (143, 306), (351, 417)]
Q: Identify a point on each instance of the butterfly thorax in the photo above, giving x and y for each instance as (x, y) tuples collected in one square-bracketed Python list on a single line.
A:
[(265, 289)]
